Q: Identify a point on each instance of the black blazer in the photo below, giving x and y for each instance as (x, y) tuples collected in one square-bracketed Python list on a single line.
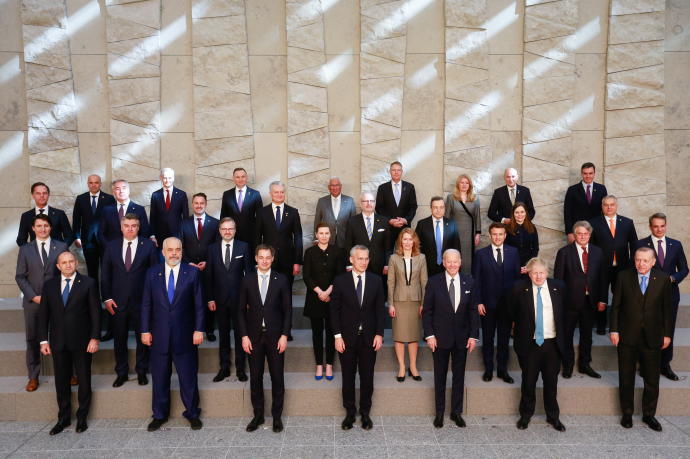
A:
[(522, 313), (633, 313), (575, 207), (320, 269), (194, 249), (568, 269), (379, 244), (126, 288), (623, 244), (276, 311), (385, 201), (60, 230), (223, 285), (109, 227), (426, 232), (246, 219), (346, 313), (500, 206), (675, 263), (71, 326), (451, 328), (526, 243), (166, 223), (84, 222), (287, 241)]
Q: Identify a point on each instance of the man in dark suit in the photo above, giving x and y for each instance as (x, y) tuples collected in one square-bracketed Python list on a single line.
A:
[(169, 208), (264, 321), (436, 235), (538, 312), (335, 210), (60, 228), (501, 205), (451, 329), (670, 258), (242, 204), (396, 201), (198, 232), (495, 268), (372, 231), (641, 326), (582, 200), (580, 266), (357, 320), (112, 216), (227, 263), (36, 263), (69, 328), (172, 322), (615, 235), (125, 263)]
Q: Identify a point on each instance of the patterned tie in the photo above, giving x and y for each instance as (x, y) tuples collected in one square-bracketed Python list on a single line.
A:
[(44, 254), (643, 284), (93, 204), (171, 286), (612, 228), (499, 257), (396, 193), (439, 243), (588, 193), (359, 290), (128, 257), (227, 256), (585, 265), (121, 212), (512, 195), (660, 256), (539, 333), (370, 230), (65, 292), (240, 201), (199, 228), (167, 199), (451, 293), (264, 287), (278, 217)]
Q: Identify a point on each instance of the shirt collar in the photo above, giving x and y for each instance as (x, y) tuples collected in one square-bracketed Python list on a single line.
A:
[(223, 242), (91, 195), (448, 278), (365, 216), (168, 189), (639, 275), (259, 273), (494, 247), (242, 189), (614, 217), (47, 241), (71, 278), (535, 286), (354, 274), (579, 247), (396, 183), (126, 203), (335, 198), (656, 239), (45, 210), (202, 217)]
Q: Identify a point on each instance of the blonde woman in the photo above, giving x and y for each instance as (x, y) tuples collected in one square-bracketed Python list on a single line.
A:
[(463, 207)]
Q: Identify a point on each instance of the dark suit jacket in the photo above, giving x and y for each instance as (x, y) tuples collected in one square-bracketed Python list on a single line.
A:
[(492, 282), (223, 285), (71, 326), (568, 269), (426, 232), (109, 227), (450, 328), (631, 310), (380, 240), (575, 207), (526, 243), (522, 313), (675, 263), (166, 223), (276, 312), (287, 241), (337, 223), (246, 219), (346, 313), (194, 249), (385, 201), (60, 230), (172, 324), (84, 222), (126, 288), (31, 273), (623, 244), (500, 206)]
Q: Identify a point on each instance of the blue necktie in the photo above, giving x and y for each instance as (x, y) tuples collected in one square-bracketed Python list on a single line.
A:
[(439, 243), (539, 334), (358, 290), (264, 287), (171, 286), (643, 284), (278, 217), (370, 230), (65, 292), (93, 204)]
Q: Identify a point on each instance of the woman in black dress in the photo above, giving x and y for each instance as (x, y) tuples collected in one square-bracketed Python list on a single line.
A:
[(322, 263), (522, 234)]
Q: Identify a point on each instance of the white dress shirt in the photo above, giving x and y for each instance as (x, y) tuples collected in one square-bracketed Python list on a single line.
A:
[(584, 186), (45, 210), (126, 204), (282, 210), (608, 221), (125, 242), (335, 205), (547, 310), (223, 243), (655, 242), (176, 273), (408, 269), (503, 254), (47, 246), (579, 253), (196, 223)]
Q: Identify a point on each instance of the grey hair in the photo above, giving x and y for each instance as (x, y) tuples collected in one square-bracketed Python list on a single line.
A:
[(167, 169), (609, 197), (646, 249), (276, 183), (584, 224), (535, 261), (451, 252), (511, 169), (170, 239), (358, 247), (116, 181), (365, 192), (335, 177)]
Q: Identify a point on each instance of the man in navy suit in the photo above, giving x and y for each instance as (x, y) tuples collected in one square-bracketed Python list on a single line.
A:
[(111, 218), (436, 235), (226, 265), (172, 323), (396, 201), (582, 200), (60, 228), (264, 321), (242, 204), (373, 232), (451, 329), (670, 258), (168, 208), (501, 205), (615, 235), (495, 269)]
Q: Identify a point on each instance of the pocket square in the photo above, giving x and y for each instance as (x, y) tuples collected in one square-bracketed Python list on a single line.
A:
[(381, 229), (239, 256), (467, 291)]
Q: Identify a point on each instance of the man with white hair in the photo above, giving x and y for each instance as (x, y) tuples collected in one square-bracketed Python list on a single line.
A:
[(503, 199), (169, 207), (335, 209), (373, 232)]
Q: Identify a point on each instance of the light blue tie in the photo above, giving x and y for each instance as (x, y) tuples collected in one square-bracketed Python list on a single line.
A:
[(370, 230), (396, 190), (264, 287), (171, 286), (439, 243), (539, 335), (65, 292), (643, 284)]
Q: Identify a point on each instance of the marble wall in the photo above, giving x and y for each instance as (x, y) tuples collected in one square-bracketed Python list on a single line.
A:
[(300, 90)]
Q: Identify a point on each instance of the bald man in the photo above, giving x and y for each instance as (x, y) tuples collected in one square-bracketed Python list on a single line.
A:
[(504, 197)]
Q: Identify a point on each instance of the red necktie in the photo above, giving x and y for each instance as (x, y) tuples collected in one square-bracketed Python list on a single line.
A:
[(167, 199), (199, 228)]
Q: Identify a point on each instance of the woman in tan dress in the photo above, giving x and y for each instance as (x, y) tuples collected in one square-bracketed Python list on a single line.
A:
[(463, 207), (407, 278)]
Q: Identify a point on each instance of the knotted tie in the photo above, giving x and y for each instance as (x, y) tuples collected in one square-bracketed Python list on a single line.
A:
[(167, 199), (278, 217), (643, 284), (171, 286), (439, 243), (370, 230), (660, 255), (539, 334), (65, 292), (93, 204)]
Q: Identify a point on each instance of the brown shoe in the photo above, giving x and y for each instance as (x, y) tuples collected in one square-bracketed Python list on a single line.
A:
[(32, 385), (74, 381)]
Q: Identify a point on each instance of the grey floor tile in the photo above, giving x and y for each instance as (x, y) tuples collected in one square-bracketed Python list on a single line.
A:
[(224, 422), (146, 453), (521, 451), (472, 451), (509, 434), (253, 452), (103, 439), (359, 437), (410, 435), (407, 420), (21, 426), (163, 438), (44, 442), (261, 437), (307, 452), (670, 435), (580, 420), (452, 435), (201, 453), (34, 455), (361, 451), (678, 420), (415, 451), (11, 441), (220, 436), (501, 420), (308, 421), (309, 436), (119, 423), (91, 454)]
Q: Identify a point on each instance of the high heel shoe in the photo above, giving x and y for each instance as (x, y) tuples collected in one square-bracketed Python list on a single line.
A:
[(416, 378), (319, 377), (329, 378), (400, 378)]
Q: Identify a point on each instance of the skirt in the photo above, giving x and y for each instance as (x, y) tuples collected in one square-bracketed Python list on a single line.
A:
[(407, 323)]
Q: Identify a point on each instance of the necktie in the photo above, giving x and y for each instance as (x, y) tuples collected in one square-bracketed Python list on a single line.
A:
[(660, 256), (499, 257), (167, 199), (93, 204), (643, 284), (240, 201), (451, 293), (171, 286), (40, 211), (65, 292), (227, 256), (44, 254), (121, 212), (370, 230), (396, 190), (539, 333), (612, 228), (512, 195), (336, 207), (439, 243), (585, 265), (199, 228), (278, 217), (588, 193), (264, 287), (128, 257), (358, 290)]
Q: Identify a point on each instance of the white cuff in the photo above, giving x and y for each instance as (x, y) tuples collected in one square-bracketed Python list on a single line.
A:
[(43, 342), (338, 336)]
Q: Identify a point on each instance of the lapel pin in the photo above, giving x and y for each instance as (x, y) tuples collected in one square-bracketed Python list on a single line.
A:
[(526, 290), (159, 275)]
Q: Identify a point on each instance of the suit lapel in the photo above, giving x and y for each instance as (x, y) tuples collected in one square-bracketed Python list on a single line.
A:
[(138, 256), (270, 292), (76, 285)]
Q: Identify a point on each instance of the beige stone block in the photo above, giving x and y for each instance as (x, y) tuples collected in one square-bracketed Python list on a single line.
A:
[(15, 171), (546, 192), (315, 181), (387, 150), (307, 37), (538, 131), (305, 202), (465, 13), (677, 31), (313, 143), (121, 132), (378, 132), (51, 116), (636, 178), (506, 29), (11, 27), (304, 164), (544, 90), (213, 8), (374, 172), (468, 47), (146, 13), (94, 156), (378, 67), (270, 160), (55, 93), (636, 88), (550, 20), (42, 139), (216, 151), (481, 180), (215, 124), (592, 29), (345, 161), (506, 150), (119, 29), (639, 207), (12, 97), (343, 93), (226, 30), (634, 121), (678, 221), (636, 27), (61, 183), (176, 31), (224, 170), (126, 67), (86, 26), (425, 29), (222, 67), (382, 99), (177, 151), (299, 14), (620, 7), (505, 99), (46, 46), (390, 23), (42, 13), (550, 216), (177, 97), (269, 93), (633, 55), (588, 99), (206, 99), (302, 121), (300, 59), (534, 170), (263, 36), (677, 105), (315, 76), (134, 172), (547, 121), (422, 155), (557, 48), (472, 158), (91, 91), (145, 152), (389, 48), (307, 98), (677, 145), (466, 125), (541, 67), (134, 91), (557, 151), (341, 28), (66, 160), (587, 146), (465, 83), (424, 92)]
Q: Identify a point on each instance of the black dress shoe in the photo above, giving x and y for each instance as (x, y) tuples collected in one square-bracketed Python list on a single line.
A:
[(556, 424), (107, 337), (505, 377), (652, 423), (156, 424), (348, 422), (120, 380), (522, 423), (589, 371), (142, 379), (222, 374), (277, 425), (59, 427), (196, 423), (626, 421), (242, 376), (211, 336), (666, 371), (601, 331), (255, 423), (459, 421), (438, 421), (81, 426), (367, 423), (488, 376), (416, 378), (567, 373)]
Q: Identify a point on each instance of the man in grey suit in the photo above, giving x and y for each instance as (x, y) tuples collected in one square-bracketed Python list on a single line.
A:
[(335, 210), (36, 263)]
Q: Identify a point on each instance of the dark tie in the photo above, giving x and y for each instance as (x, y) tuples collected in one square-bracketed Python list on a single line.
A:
[(40, 211), (199, 228), (44, 254), (121, 212), (439, 243), (227, 256), (167, 199), (65, 292), (171, 286), (358, 290), (278, 217), (585, 265), (128, 256), (451, 293), (660, 256), (499, 257), (588, 193), (93, 204)]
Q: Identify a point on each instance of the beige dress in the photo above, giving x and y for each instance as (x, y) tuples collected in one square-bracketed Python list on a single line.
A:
[(406, 284)]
